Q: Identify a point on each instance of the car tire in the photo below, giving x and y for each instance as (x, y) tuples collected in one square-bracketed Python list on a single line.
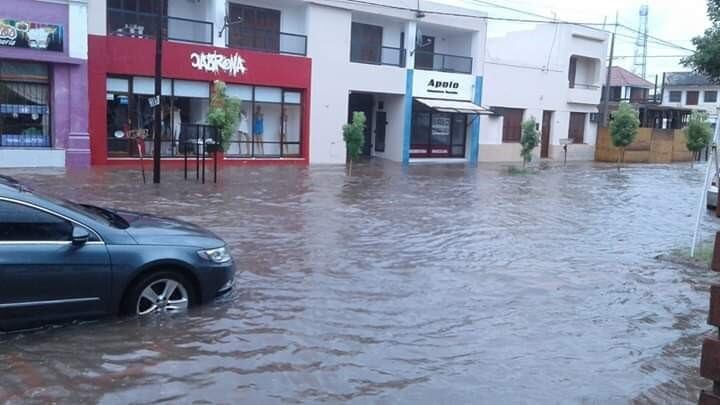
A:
[(137, 301)]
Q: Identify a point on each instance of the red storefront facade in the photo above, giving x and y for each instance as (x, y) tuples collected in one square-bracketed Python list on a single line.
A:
[(275, 91)]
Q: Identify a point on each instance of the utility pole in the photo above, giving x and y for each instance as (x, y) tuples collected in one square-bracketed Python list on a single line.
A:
[(606, 103), (157, 127)]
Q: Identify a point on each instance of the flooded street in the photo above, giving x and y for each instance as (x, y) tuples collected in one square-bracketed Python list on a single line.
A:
[(433, 284)]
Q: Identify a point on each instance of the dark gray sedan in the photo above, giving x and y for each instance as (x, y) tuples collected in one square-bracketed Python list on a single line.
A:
[(63, 261)]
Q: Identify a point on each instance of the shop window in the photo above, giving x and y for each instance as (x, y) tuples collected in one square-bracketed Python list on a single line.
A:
[(184, 107), (241, 144), (459, 133), (270, 122), (291, 124), (437, 134), (24, 105)]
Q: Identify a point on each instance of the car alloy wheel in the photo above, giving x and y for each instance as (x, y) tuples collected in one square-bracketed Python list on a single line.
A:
[(163, 295)]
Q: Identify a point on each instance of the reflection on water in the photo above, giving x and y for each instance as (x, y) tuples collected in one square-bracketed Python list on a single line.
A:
[(426, 285)]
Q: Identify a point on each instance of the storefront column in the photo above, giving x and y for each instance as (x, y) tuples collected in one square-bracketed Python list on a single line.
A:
[(77, 152), (407, 133), (475, 134)]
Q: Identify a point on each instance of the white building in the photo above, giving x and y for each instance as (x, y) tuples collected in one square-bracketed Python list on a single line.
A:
[(417, 76), (553, 73), (692, 91), (393, 63)]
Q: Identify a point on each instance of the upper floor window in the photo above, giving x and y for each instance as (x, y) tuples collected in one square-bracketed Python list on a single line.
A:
[(366, 43), (692, 97), (710, 96), (259, 30), (583, 73), (675, 96)]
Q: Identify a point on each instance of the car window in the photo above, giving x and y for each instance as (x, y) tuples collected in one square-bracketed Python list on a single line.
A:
[(20, 223)]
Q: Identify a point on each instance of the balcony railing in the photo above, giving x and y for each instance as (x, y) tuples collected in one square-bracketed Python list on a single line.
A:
[(442, 62), (144, 25), (384, 55), (585, 86), (267, 41)]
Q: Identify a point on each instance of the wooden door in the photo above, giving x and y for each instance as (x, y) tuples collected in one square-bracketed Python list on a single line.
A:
[(577, 127), (545, 140)]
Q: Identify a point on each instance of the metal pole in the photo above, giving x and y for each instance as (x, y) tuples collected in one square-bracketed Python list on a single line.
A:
[(703, 196), (203, 155), (606, 103), (158, 90)]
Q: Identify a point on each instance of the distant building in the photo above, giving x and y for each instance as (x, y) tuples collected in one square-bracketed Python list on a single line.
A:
[(553, 73), (627, 86), (692, 91)]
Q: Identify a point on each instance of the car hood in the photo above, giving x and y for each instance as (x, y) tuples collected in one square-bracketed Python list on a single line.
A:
[(155, 230)]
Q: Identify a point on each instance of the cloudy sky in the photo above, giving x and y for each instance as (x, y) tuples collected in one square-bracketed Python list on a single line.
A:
[(671, 20)]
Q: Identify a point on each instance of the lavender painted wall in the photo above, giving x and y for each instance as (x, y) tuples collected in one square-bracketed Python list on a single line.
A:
[(69, 93)]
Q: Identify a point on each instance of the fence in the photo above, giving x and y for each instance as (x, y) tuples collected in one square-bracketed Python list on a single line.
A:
[(651, 145), (710, 359)]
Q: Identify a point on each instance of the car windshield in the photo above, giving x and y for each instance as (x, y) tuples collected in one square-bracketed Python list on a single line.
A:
[(97, 213)]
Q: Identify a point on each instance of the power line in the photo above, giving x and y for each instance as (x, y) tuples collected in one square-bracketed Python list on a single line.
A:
[(589, 25)]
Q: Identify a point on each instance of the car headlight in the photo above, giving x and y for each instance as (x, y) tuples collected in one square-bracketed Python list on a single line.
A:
[(219, 255)]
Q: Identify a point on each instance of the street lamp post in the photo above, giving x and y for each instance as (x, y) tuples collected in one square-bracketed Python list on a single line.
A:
[(158, 91)]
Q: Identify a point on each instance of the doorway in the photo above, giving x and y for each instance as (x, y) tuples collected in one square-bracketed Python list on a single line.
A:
[(363, 103), (545, 140)]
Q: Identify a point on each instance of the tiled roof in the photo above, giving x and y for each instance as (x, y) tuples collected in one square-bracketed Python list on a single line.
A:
[(621, 77)]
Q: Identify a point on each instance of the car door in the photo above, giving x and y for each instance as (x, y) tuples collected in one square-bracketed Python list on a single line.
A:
[(44, 277)]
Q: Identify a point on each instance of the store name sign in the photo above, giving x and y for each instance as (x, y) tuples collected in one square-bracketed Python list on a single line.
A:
[(26, 34), (217, 63), (442, 85)]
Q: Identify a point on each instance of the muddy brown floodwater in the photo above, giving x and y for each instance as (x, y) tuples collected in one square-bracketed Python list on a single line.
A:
[(434, 284)]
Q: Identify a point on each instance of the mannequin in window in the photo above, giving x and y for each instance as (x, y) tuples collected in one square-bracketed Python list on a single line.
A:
[(244, 132), (283, 131), (176, 127), (258, 129)]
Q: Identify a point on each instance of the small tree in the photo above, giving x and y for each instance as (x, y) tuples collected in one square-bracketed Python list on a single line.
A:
[(354, 137), (224, 113), (529, 140), (698, 133), (624, 129)]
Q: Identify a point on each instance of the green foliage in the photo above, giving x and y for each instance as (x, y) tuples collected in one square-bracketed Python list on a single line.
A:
[(529, 140), (624, 126), (354, 135), (698, 131), (706, 59), (224, 114)]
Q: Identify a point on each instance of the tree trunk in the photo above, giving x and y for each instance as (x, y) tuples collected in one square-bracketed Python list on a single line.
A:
[(618, 158), (350, 167)]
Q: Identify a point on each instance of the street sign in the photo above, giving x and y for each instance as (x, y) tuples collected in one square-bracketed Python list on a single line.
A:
[(566, 141), (154, 101)]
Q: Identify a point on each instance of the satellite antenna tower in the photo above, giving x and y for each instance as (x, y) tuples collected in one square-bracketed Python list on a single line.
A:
[(640, 61)]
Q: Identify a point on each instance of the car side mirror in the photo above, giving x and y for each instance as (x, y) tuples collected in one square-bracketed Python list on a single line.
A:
[(80, 236)]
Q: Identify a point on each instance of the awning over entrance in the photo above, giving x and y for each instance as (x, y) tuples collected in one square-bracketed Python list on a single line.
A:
[(451, 106)]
